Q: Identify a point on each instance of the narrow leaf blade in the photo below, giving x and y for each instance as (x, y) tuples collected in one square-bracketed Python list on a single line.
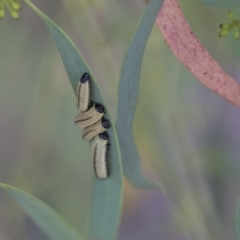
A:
[(54, 226), (128, 97), (107, 194)]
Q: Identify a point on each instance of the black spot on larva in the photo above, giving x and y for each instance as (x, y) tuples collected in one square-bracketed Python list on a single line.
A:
[(106, 123), (205, 73), (99, 107), (104, 135), (85, 77)]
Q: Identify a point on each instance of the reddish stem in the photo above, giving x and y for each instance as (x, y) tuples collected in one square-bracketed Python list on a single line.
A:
[(192, 54)]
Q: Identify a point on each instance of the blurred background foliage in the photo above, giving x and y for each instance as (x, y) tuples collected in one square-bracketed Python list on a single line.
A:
[(188, 137)]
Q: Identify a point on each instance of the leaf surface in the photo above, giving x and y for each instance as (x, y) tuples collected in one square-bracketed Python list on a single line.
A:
[(106, 206), (51, 223), (128, 97)]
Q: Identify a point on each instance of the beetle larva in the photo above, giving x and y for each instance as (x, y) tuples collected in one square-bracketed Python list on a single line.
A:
[(95, 129), (84, 92), (94, 114), (99, 155)]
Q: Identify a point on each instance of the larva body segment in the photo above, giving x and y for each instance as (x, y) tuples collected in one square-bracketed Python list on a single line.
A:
[(84, 93), (88, 118), (99, 148), (95, 129)]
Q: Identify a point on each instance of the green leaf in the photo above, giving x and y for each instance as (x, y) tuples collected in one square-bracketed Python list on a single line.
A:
[(107, 194), (54, 226), (237, 220), (128, 97), (222, 3)]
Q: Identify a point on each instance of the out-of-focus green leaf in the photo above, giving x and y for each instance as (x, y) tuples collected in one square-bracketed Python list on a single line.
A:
[(222, 3), (107, 194), (128, 96), (54, 226)]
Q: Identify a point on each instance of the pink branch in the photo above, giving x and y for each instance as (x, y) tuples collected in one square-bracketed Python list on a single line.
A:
[(192, 54)]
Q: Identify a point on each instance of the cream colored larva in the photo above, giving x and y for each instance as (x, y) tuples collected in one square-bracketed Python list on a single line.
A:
[(94, 114), (95, 129), (84, 93), (99, 147)]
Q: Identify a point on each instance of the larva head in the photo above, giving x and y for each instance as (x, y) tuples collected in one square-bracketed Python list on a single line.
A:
[(105, 123), (85, 77), (103, 135), (99, 108)]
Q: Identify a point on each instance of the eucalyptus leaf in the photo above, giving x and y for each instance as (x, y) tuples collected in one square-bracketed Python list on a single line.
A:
[(51, 223), (107, 194), (128, 97), (222, 3)]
